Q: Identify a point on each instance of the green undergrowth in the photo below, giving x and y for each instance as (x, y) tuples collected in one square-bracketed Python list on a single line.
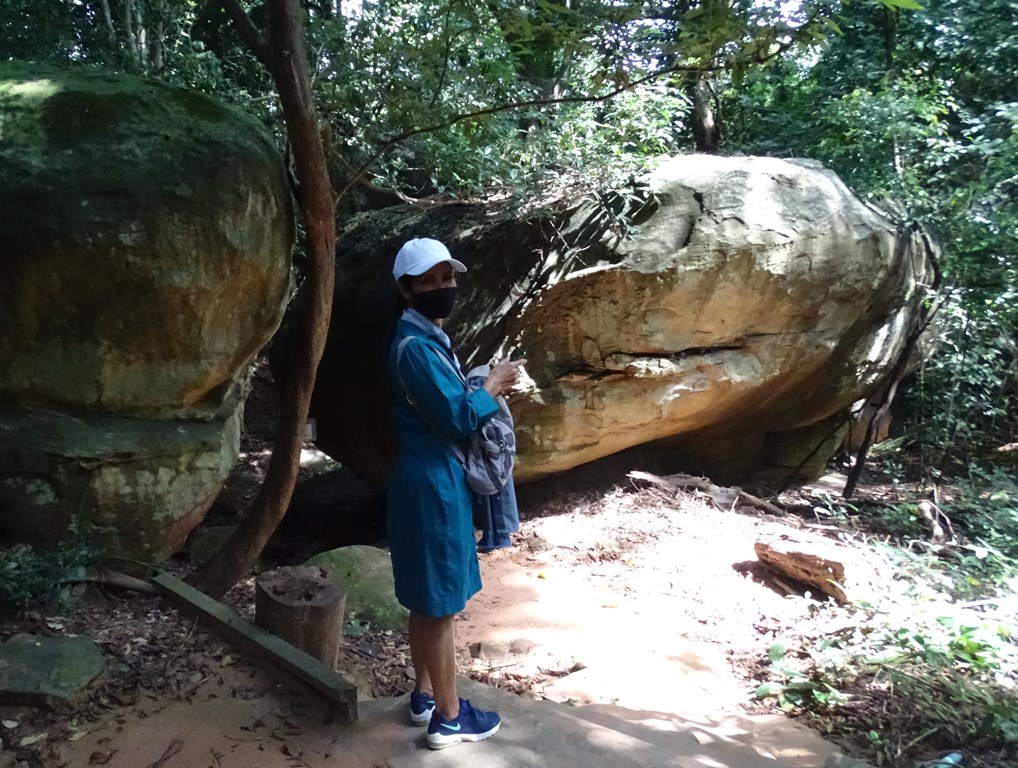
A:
[(32, 577), (925, 663)]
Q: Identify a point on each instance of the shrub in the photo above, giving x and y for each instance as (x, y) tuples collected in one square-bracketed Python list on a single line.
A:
[(31, 577)]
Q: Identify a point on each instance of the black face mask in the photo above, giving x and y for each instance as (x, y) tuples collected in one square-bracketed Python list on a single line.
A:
[(436, 304)]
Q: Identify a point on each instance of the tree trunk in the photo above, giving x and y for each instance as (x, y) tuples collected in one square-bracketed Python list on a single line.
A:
[(132, 41), (706, 124), (108, 16), (155, 49), (889, 19), (286, 58), (303, 606)]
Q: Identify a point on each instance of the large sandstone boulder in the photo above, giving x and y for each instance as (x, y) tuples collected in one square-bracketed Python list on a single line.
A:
[(732, 322), (146, 236), (759, 300)]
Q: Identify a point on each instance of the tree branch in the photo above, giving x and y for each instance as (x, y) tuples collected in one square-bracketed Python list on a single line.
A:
[(629, 86), (794, 37), (248, 31), (445, 57)]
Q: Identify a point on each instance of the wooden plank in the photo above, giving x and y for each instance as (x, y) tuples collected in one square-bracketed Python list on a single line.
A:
[(305, 669)]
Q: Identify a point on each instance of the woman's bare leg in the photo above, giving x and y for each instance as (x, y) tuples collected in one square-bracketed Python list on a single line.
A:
[(423, 678), (433, 651)]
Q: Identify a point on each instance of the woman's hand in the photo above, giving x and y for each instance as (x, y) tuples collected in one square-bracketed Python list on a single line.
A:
[(503, 376)]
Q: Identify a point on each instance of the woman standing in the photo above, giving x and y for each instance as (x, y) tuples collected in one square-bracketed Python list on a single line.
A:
[(431, 535)]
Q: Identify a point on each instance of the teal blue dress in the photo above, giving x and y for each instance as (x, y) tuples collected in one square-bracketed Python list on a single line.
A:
[(429, 508)]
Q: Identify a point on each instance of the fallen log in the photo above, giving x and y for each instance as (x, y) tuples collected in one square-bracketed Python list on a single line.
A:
[(105, 578), (816, 564)]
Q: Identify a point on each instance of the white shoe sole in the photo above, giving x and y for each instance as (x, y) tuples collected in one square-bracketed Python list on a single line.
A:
[(422, 719), (441, 740)]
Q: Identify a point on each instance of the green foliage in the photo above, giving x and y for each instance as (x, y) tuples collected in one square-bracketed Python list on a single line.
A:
[(963, 399), (594, 146), (952, 664), (30, 577), (926, 661), (908, 5), (409, 68), (395, 69), (798, 685), (901, 521), (919, 108), (956, 669), (984, 513), (978, 514)]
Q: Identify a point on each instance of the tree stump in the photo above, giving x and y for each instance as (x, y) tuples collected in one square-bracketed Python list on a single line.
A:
[(305, 607)]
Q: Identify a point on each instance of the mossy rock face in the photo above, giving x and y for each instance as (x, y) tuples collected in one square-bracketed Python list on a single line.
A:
[(133, 488), (39, 671), (366, 575), (147, 233), (146, 236)]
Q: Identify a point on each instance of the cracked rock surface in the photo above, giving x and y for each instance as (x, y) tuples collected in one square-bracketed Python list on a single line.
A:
[(727, 310)]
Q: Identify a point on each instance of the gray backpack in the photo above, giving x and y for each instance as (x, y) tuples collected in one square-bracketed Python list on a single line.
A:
[(491, 451)]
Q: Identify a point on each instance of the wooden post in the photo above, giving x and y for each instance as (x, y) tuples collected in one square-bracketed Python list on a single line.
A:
[(304, 606)]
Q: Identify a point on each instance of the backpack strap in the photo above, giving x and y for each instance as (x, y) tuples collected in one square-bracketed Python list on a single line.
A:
[(441, 356)]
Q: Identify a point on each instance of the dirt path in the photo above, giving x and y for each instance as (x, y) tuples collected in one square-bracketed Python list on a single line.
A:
[(640, 600), (633, 576)]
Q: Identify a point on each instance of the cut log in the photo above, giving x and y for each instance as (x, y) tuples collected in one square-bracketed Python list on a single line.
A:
[(301, 671), (816, 564), (304, 606)]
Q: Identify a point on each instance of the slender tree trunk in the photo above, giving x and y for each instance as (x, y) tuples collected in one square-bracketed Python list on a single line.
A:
[(285, 55), (706, 124), (890, 40), (141, 51), (132, 40), (108, 16), (155, 50)]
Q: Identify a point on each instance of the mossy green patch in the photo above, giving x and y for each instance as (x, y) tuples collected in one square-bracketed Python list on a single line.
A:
[(47, 671), (52, 119), (141, 196), (31, 87), (72, 118), (366, 575)]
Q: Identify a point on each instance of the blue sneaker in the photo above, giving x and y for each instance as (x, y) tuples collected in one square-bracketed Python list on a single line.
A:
[(470, 725), (422, 705)]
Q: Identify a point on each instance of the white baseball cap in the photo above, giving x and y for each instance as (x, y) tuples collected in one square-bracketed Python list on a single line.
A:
[(419, 255)]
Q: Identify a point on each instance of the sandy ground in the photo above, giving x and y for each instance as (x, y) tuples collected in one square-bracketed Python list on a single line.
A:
[(646, 600), (631, 578)]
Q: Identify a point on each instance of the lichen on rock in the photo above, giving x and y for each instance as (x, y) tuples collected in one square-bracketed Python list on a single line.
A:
[(147, 233)]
